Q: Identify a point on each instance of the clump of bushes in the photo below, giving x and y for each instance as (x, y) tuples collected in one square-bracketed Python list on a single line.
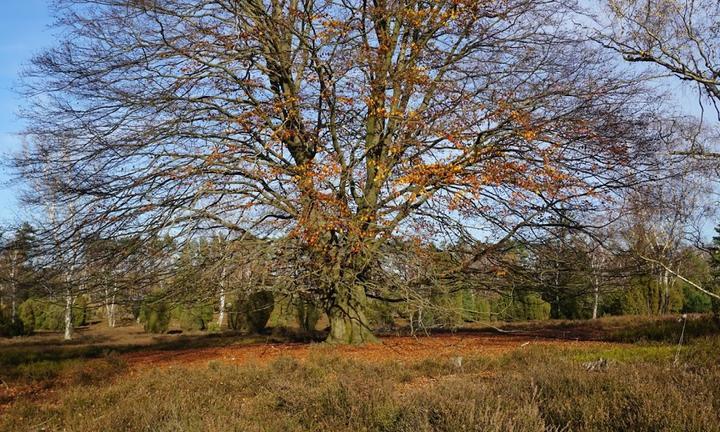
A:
[(42, 314), (155, 313), (383, 314), (307, 315), (251, 312), (194, 317), (452, 310), (8, 328), (442, 310), (521, 307)]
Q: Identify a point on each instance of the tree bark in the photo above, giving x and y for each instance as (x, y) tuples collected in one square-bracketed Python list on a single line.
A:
[(221, 315), (13, 285), (595, 304), (596, 287), (348, 323), (110, 305), (68, 316)]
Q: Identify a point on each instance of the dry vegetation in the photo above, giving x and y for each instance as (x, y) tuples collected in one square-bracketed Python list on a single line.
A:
[(473, 380)]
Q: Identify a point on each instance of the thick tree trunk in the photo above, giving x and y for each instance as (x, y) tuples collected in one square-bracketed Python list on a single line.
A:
[(348, 324)]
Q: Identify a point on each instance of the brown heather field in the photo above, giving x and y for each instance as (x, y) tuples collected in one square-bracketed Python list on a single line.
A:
[(529, 377)]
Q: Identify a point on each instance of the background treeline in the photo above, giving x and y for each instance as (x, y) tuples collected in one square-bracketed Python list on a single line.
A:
[(245, 284)]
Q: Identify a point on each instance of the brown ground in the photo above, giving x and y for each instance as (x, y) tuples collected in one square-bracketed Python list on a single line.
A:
[(142, 351), (391, 348)]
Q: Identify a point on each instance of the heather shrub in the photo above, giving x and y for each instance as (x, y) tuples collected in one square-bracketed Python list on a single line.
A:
[(533, 389)]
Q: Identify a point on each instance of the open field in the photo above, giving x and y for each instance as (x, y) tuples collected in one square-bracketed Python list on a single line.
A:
[(532, 376)]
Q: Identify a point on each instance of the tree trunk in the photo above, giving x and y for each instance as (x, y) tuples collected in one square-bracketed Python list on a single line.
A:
[(13, 284), (348, 324), (596, 286), (110, 305), (665, 308), (221, 315), (68, 315), (595, 305), (13, 315)]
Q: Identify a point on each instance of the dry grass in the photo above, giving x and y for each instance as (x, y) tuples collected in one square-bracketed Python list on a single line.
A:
[(534, 389), (522, 387)]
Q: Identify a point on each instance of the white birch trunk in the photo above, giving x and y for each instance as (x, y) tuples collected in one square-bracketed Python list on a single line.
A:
[(221, 315), (110, 305), (595, 304), (13, 287), (596, 288), (68, 315)]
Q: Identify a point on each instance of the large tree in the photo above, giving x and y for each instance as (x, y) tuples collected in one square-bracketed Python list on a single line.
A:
[(334, 125)]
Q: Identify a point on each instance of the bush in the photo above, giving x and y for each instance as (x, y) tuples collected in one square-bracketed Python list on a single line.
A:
[(522, 307), (258, 309), (252, 312), (307, 316), (155, 314), (235, 317), (383, 314), (475, 307), (8, 328), (26, 312), (444, 310), (80, 311), (195, 317), (48, 315), (41, 370), (695, 301)]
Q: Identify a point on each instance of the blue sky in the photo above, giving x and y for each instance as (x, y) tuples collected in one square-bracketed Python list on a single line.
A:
[(24, 30)]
